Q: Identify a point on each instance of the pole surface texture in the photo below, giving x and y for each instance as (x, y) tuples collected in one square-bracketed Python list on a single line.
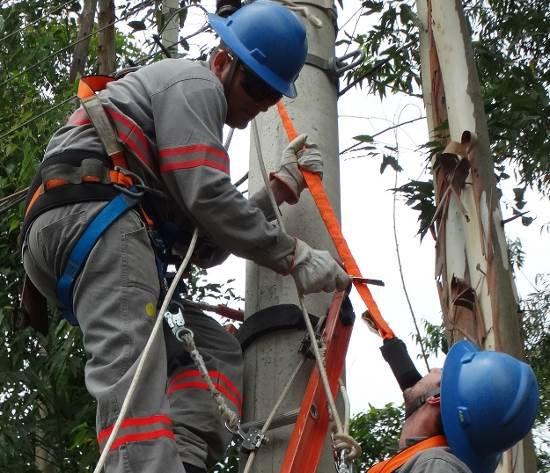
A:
[(270, 360)]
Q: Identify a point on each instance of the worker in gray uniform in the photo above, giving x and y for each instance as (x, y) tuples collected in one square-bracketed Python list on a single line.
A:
[(460, 419), (169, 116)]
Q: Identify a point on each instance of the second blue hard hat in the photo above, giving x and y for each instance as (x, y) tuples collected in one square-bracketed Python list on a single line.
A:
[(269, 39), (489, 401)]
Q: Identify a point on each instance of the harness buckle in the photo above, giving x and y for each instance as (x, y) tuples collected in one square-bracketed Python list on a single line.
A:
[(175, 320), (249, 440), (138, 184)]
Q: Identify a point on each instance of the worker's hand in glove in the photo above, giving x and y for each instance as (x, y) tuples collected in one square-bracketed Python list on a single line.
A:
[(316, 270), (288, 179)]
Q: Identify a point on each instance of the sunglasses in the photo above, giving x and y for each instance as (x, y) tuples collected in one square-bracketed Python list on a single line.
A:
[(255, 87)]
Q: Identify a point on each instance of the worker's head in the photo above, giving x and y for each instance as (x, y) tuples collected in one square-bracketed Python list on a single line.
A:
[(422, 413), (489, 401), (263, 48)]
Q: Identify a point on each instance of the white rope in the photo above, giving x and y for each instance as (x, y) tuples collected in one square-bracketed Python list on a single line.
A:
[(145, 354), (228, 139), (343, 442), (341, 436), (271, 416)]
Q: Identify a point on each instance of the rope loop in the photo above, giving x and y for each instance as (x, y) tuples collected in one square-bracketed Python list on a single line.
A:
[(345, 443)]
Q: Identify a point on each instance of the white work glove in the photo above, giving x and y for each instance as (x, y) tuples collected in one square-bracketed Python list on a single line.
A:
[(296, 156), (316, 270)]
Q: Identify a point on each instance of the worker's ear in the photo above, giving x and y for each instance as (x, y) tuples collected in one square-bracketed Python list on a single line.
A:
[(433, 400), (219, 62)]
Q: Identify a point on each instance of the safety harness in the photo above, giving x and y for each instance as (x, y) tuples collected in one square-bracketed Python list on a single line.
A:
[(80, 176), (397, 461)]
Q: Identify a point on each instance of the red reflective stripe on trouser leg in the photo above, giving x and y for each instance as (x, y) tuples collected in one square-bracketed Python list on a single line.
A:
[(135, 422), (114, 290), (204, 386), (138, 429), (219, 379), (193, 406)]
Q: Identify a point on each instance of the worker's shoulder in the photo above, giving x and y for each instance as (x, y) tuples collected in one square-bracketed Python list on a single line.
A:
[(164, 74), (434, 460)]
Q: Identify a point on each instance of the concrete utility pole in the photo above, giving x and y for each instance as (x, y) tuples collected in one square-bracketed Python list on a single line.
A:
[(270, 360), (170, 25), (474, 277)]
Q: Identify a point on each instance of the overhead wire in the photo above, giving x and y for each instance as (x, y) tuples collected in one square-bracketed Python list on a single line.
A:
[(74, 43), (36, 117), (45, 15), (12, 200), (396, 243), (149, 56)]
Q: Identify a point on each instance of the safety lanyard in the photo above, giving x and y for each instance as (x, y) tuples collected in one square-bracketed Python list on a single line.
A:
[(317, 190)]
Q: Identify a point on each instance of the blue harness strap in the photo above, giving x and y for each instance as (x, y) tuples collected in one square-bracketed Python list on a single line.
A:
[(84, 245)]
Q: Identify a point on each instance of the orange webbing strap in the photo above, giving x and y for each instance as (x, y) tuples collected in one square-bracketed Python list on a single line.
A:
[(397, 461), (89, 85), (328, 215), (87, 88), (37, 193)]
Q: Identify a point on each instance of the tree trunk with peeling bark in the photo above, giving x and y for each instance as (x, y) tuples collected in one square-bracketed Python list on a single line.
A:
[(106, 50), (80, 53), (473, 273)]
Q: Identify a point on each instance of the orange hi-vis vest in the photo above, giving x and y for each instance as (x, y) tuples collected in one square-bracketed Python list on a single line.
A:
[(397, 461)]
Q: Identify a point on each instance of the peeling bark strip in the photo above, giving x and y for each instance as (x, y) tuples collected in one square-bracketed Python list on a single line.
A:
[(465, 319)]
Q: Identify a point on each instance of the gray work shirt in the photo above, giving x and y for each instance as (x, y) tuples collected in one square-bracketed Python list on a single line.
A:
[(169, 117), (434, 460)]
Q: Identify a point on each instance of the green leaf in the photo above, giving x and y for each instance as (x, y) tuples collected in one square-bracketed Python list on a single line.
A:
[(364, 138)]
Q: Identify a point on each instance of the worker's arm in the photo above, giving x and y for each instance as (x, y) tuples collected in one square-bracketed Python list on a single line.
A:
[(189, 117)]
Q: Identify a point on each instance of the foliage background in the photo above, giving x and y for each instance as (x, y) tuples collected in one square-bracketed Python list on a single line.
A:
[(45, 412)]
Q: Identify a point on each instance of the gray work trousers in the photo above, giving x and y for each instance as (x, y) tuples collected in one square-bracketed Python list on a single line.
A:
[(173, 419)]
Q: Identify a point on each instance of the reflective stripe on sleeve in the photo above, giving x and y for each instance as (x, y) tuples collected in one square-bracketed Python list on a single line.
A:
[(190, 156)]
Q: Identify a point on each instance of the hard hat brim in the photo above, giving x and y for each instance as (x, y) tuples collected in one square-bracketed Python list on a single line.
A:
[(452, 426), (219, 24)]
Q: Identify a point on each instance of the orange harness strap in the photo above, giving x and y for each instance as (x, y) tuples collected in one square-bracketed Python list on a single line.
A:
[(87, 88), (397, 461), (89, 85), (328, 215)]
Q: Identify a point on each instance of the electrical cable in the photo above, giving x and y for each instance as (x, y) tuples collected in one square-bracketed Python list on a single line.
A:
[(45, 15), (398, 253), (55, 53), (15, 195), (36, 117), (239, 181), (149, 56), (5, 207)]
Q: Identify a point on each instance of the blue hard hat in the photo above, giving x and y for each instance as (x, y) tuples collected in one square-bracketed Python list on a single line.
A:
[(489, 401), (269, 39)]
